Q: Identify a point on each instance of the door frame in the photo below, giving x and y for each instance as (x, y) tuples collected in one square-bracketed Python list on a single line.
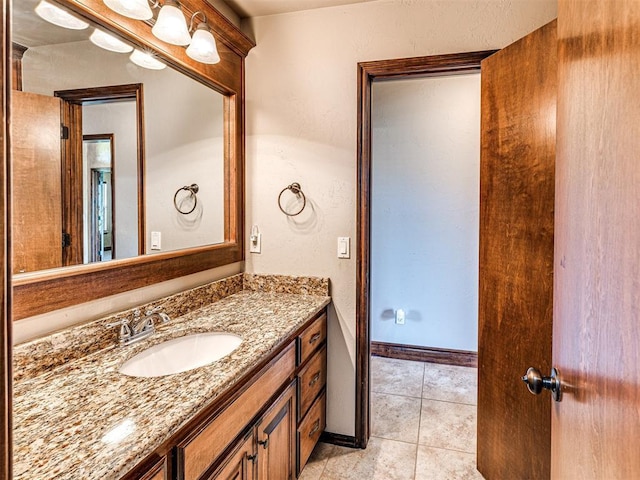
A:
[(110, 137), (368, 72), (73, 100)]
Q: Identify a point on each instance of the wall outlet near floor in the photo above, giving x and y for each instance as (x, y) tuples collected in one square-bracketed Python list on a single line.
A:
[(400, 316)]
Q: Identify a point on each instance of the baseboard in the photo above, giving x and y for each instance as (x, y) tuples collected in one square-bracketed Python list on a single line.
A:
[(339, 439), (461, 358)]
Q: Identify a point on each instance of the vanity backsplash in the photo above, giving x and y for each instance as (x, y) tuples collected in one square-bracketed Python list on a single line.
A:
[(42, 355)]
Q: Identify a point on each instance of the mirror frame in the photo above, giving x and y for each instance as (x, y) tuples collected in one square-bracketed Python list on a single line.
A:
[(41, 292)]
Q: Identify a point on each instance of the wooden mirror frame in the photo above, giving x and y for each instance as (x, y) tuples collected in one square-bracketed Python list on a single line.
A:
[(42, 292)]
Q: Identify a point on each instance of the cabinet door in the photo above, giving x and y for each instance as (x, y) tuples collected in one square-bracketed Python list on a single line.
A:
[(239, 465), (276, 438)]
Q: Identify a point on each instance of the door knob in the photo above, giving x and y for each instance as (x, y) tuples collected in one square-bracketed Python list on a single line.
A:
[(536, 382)]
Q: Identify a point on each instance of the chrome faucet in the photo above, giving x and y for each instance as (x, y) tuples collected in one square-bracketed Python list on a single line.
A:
[(140, 326)]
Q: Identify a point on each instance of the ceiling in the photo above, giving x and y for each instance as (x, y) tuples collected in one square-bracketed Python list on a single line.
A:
[(258, 8), (29, 30)]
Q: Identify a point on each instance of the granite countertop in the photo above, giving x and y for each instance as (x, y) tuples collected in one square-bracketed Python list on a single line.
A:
[(86, 420)]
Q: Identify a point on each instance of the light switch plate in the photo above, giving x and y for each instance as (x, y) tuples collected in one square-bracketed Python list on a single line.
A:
[(156, 241), (344, 247)]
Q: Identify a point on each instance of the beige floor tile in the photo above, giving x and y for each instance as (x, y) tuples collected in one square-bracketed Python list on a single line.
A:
[(450, 383), (440, 464), (381, 460), (317, 461), (395, 417), (448, 425), (398, 377)]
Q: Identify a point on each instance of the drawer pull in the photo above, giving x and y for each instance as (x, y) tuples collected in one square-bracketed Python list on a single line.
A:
[(314, 338), (316, 427), (314, 380), (264, 443), (252, 458)]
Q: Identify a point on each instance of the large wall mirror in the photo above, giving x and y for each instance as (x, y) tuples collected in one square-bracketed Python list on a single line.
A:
[(125, 171)]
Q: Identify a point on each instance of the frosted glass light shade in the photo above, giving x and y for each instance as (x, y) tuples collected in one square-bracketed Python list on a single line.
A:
[(57, 16), (146, 60), (171, 26), (109, 42), (203, 46), (136, 9)]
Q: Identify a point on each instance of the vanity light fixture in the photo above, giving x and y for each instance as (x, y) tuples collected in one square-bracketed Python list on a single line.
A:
[(58, 16), (136, 9), (109, 42), (146, 60), (203, 44), (171, 26)]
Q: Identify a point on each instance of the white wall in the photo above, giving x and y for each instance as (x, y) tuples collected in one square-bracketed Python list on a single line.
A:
[(301, 126), (120, 120), (424, 214), (183, 134)]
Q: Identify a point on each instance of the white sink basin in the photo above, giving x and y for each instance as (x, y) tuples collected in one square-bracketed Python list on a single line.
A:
[(181, 354)]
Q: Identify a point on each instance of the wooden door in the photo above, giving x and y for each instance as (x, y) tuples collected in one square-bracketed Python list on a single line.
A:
[(36, 194), (518, 97), (239, 465), (276, 439), (596, 346)]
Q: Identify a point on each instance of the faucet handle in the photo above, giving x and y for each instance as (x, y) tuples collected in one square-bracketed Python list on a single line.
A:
[(125, 327), (151, 311)]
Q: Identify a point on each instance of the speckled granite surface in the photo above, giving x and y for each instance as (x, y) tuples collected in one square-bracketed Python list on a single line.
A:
[(85, 420), (286, 284)]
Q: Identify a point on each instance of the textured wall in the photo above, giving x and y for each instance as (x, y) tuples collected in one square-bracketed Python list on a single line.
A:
[(301, 126), (424, 217)]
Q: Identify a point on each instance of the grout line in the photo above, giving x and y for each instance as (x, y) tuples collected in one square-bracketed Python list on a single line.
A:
[(415, 464), (451, 401)]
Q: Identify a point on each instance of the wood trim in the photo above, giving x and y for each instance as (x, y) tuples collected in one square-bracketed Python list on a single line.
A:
[(40, 293), (17, 52), (461, 358), (339, 439), (6, 392), (73, 216), (435, 65)]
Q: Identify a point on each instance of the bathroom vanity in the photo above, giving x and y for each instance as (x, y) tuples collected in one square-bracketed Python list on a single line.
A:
[(256, 413)]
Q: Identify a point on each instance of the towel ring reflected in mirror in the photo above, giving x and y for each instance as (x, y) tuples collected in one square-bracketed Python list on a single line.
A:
[(297, 191), (193, 190)]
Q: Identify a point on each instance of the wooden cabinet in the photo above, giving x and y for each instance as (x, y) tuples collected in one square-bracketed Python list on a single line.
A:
[(264, 428), (276, 434), (200, 449), (240, 463), (312, 379)]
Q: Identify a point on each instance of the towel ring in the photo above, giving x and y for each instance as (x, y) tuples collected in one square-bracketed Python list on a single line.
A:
[(193, 189), (297, 191)]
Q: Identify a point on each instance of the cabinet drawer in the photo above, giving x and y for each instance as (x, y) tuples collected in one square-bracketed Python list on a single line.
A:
[(310, 430), (314, 335), (198, 452), (311, 380)]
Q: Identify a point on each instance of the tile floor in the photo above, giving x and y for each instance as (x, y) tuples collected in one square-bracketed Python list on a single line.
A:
[(423, 422)]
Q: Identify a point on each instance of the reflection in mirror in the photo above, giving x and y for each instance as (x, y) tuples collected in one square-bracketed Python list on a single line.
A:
[(178, 141)]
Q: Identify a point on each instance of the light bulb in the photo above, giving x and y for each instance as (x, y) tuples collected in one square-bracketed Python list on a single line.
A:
[(203, 46), (171, 26), (57, 16), (109, 42), (146, 60), (136, 9)]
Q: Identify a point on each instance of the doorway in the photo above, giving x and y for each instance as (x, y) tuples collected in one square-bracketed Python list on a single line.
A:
[(98, 156), (434, 66)]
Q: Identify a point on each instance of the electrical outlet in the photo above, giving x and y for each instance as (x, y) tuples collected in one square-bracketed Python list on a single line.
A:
[(255, 243), (400, 316)]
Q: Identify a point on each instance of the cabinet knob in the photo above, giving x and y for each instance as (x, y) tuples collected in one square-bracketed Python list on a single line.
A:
[(314, 380), (264, 443), (252, 458)]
